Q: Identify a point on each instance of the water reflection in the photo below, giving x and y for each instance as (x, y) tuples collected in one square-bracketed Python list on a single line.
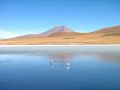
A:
[(64, 58), (67, 64), (65, 55), (108, 57), (89, 68)]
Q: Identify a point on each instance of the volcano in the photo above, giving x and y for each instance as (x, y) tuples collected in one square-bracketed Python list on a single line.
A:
[(56, 30)]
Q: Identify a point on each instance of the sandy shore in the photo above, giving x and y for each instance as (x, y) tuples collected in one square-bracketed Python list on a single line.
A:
[(58, 45)]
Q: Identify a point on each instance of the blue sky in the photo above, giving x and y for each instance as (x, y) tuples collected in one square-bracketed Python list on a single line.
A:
[(19, 17)]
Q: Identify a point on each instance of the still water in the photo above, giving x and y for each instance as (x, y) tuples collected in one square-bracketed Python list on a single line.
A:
[(60, 68)]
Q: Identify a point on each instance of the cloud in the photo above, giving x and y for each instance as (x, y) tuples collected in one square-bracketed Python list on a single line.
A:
[(5, 34)]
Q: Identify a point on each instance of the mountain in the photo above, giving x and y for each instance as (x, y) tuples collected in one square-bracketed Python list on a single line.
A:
[(114, 29), (58, 29), (109, 31), (64, 35), (51, 32)]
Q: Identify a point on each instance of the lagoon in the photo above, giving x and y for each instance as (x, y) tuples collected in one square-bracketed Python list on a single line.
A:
[(60, 67)]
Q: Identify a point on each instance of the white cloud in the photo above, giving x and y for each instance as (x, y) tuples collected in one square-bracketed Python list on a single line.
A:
[(5, 34)]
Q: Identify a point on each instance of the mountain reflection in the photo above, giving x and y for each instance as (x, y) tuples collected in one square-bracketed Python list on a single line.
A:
[(109, 57), (64, 58)]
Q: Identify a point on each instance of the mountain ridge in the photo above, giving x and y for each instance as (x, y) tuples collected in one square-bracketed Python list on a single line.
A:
[(64, 35), (57, 29)]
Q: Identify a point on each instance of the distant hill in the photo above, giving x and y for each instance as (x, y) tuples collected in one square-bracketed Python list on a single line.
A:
[(109, 31), (64, 35)]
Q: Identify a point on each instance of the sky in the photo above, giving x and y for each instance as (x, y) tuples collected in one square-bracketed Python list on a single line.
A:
[(19, 17)]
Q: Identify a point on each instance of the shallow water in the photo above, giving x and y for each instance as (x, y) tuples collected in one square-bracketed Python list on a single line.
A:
[(60, 68)]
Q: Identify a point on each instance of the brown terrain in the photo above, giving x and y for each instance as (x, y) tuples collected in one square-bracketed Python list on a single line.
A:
[(64, 35)]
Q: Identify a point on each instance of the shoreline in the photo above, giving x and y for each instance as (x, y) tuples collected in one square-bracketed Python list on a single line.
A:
[(61, 45)]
